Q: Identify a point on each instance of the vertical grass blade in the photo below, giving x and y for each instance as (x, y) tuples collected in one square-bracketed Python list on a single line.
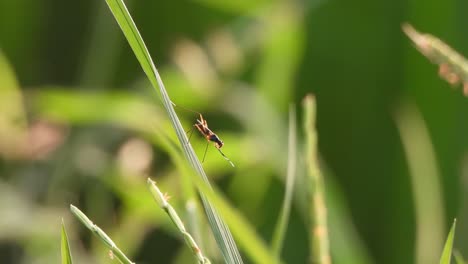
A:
[(281, 226), (220, 231), (447, 253), (425, 183), (318, 212), (101, 234), (65, 248), (162, 201)]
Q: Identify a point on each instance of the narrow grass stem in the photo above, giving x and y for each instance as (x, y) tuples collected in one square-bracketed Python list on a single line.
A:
[(162, 200), (281, 226), (101, 234), (318, 211)]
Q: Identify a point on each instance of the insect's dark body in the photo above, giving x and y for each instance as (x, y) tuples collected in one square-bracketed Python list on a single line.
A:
[(202, 126)]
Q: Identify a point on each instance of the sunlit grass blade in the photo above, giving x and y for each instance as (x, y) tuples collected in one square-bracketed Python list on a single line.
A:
[(65, 248), (282, 225), (220, 231), (447, 253), (318, 212), (425, 182), (163, 202), (116, 252)]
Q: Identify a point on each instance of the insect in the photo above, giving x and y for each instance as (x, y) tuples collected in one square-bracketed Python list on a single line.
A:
[(202, 126)]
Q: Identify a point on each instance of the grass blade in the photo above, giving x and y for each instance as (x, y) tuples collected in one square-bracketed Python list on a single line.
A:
[(281, 226), (425, 183), (447, 253), (162, 201), (318, 213), (65, 248), (220, 231), (101, 234)]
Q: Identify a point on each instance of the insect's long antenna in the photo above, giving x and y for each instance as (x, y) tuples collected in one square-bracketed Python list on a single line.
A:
[(226, 158), (186, 109), (206, 149), (189, 132)]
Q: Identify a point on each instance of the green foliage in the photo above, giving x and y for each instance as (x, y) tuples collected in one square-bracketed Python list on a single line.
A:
[(115, 251), (65, 248), (163, 202), (79, 124), (447, 252), (220, 230)]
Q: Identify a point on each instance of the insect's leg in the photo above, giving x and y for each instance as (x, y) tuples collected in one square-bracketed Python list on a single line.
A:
[(226, 158), (189, 133), (206, 149)]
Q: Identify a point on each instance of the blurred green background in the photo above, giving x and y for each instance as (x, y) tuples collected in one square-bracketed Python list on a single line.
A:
[(77, 121)]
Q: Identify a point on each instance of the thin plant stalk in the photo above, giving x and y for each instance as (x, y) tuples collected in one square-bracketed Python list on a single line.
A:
[(281, 226), (162, 200), (220, 230), (318, 212), (116, 252)]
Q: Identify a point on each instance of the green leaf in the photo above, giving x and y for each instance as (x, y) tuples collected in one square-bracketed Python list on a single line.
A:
[(447, 253), (65, 248)]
